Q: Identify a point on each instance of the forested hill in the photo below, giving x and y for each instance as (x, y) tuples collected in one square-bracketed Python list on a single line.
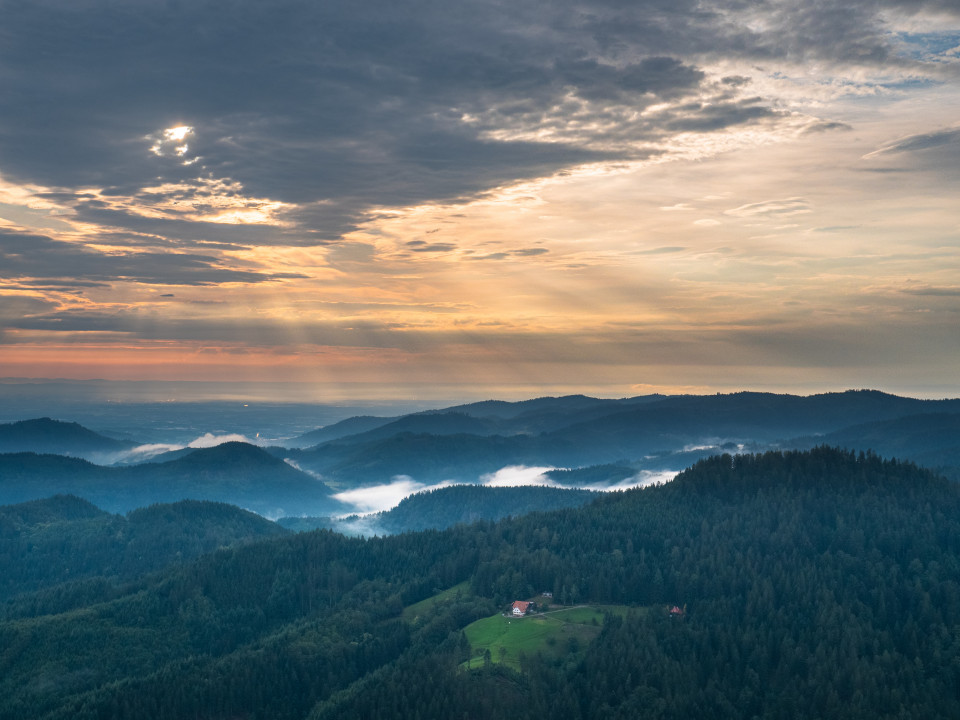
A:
[(45, 435), (64, 538), (815, 584), (469, 503)]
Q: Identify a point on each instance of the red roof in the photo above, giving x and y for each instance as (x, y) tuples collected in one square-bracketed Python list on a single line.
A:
[(521, 606)]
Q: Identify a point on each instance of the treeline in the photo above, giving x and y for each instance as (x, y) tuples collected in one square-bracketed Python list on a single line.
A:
[(818, 584)]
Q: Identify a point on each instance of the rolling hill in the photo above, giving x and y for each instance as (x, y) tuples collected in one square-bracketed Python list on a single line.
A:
[(649, 432), (235, 473), (44, 435), (66, 539), (931, 440)]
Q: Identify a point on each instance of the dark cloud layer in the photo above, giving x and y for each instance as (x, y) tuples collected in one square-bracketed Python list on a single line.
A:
[(338, 107), (37, 258)]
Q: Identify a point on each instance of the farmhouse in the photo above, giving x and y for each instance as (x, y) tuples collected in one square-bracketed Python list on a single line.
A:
[(520, 607)]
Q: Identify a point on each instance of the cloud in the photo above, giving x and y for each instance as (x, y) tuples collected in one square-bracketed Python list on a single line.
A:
[(38, 257), (933, 291), (644, 478), (517, 475), (665, 250), (143, 453), (332, 134), (772, 208), (377, 498), (209, 440), (949, 137), (192, 231), (826, 126), (337, 110), (13, 307), (424, 247), (506, 254)]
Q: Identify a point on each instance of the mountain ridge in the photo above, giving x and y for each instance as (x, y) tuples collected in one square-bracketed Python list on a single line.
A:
[(237, 473)]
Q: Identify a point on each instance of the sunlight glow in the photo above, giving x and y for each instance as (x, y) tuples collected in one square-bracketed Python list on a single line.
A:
[(177, 134)]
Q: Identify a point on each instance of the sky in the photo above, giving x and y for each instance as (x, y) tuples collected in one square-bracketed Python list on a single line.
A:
[(483, 198)]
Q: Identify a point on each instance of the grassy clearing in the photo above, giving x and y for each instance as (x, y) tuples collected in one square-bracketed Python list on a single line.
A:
[(556, 633), (411, 613)]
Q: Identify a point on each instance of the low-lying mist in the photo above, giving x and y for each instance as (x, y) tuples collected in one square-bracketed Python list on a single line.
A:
[(379, 498), (145, 453)]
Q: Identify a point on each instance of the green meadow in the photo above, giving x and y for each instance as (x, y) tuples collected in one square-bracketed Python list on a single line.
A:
[(556, 633)]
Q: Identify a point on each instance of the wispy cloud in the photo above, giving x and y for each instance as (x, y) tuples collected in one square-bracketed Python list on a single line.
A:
[(377, 498), (143, 453), (949, 137), (37, 257), (772, 208), (644, 478)]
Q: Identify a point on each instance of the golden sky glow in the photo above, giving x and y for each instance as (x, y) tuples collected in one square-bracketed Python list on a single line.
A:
[(756, 213)]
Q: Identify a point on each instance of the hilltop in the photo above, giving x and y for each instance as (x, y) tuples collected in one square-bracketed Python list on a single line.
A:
[(45, 435), (67, 539)]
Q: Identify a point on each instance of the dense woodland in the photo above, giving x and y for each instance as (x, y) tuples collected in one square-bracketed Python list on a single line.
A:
[(816, 584), (66, 539)]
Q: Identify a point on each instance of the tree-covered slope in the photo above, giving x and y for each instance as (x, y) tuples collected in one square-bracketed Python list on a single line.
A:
[(65, 539), (819, 584), (815, 584), (445, 507), (59, 508)]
